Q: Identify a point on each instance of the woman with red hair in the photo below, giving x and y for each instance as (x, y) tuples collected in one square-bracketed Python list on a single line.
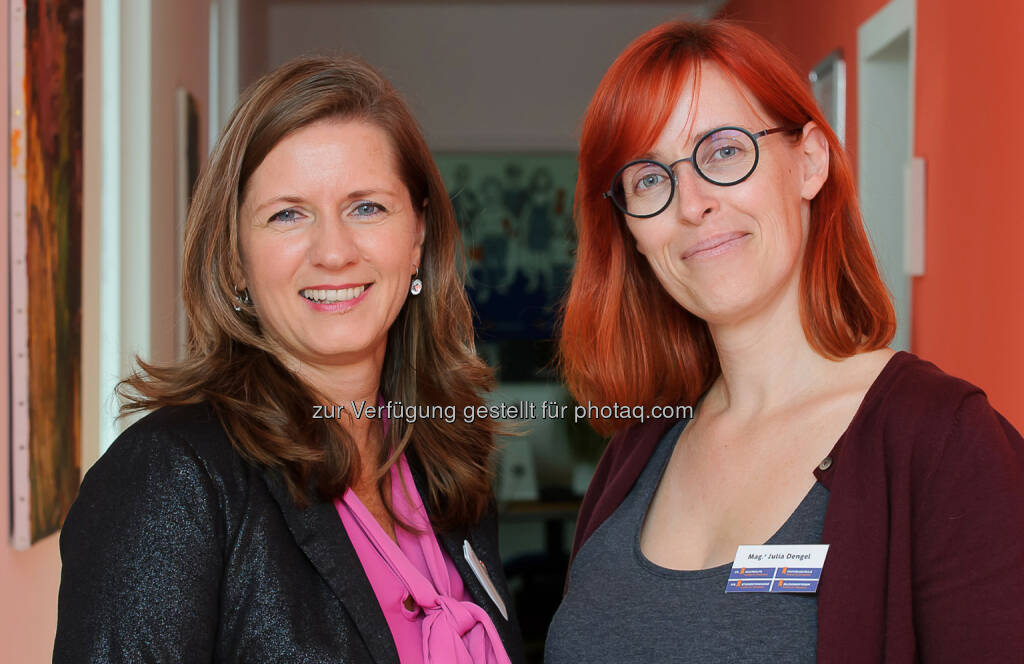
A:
[(722, 263)]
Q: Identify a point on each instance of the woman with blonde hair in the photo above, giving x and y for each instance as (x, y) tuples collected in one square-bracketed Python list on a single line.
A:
[(284, 501)]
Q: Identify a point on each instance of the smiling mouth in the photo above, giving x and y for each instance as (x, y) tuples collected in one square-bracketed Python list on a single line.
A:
[(713, 245), (329, 296)]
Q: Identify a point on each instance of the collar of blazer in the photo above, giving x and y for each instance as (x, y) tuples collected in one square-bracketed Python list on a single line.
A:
[(320, 534)]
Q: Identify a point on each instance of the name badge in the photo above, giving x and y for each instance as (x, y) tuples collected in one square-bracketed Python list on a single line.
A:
[(777, 568), (480, 572)]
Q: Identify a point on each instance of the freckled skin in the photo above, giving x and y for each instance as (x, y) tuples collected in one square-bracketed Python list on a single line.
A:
[(771, 209), (328, 207)]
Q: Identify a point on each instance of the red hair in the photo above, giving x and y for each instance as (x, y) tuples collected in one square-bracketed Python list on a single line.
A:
[(624, 339)]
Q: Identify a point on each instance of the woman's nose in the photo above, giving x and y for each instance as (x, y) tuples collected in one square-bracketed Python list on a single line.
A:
[(695, 198), (333, 243)]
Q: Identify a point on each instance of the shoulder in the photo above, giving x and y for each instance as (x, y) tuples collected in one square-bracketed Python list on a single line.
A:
[(916, 387), (196, 425), (171, 433), (176, 454), (145, 541), (930, 419), (633, 446), (911, 403), (921, 502)]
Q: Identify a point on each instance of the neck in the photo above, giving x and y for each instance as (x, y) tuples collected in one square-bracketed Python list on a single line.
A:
[(766, 360), (350, 385)]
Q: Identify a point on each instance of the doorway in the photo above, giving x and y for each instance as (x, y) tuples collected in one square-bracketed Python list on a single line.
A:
[(885, 48)]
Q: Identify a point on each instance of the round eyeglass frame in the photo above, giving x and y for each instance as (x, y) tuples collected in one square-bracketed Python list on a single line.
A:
[(670, 168)]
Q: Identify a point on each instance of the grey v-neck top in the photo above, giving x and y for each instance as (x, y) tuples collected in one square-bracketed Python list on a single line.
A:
[(623, 608)]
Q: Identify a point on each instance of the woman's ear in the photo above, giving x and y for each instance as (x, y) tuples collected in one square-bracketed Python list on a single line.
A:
[(420, 234), (237, 276), (235, 263), (814, 156)]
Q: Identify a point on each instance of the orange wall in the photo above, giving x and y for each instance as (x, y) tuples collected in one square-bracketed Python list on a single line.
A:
[(968, 308), (28, 579)]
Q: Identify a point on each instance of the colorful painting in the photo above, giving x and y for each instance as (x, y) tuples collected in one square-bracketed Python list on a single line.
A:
[(46, 262), (515, 213)]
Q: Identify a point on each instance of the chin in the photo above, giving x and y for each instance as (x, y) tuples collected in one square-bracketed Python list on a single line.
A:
[(722, 309), (355, 348)]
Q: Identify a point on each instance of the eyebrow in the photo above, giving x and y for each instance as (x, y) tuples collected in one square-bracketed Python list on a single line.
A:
[(276, 200), (650, 154), (292, 200), (363, 193)]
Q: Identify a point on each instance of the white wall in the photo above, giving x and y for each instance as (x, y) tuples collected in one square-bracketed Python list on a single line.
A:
[(148, 49), (180, 57), (479, 76)]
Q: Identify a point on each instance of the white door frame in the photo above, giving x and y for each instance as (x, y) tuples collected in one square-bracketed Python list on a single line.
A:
[(895, 21)]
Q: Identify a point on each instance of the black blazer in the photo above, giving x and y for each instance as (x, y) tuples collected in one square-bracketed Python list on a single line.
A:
[(178, 550)]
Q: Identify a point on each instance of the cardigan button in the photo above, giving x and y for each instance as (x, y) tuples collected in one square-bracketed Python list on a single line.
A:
[(825, 464)]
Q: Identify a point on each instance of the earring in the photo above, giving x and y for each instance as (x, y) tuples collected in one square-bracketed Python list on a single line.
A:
[(241, 297), (416, 287)]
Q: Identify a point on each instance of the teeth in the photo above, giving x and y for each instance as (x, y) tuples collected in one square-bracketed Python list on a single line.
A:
[(337, 295)]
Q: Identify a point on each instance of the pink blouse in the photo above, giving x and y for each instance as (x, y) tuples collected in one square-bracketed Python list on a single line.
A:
[(444, 625)]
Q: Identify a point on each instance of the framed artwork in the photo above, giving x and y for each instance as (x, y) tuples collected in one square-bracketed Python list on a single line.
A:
[(515, 214), (828, 83), (45, 173)]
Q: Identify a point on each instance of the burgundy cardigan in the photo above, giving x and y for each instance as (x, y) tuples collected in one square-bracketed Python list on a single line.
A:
[(925, 522)]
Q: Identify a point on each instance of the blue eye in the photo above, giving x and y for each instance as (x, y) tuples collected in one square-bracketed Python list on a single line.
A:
[(649, 180), (644, 177), (368, 209), (286, 216), (726, 152)]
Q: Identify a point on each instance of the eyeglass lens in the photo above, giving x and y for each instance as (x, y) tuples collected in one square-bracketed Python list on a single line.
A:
[(723, 157)]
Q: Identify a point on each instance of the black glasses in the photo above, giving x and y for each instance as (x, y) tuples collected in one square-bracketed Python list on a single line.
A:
[(726, 156)]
